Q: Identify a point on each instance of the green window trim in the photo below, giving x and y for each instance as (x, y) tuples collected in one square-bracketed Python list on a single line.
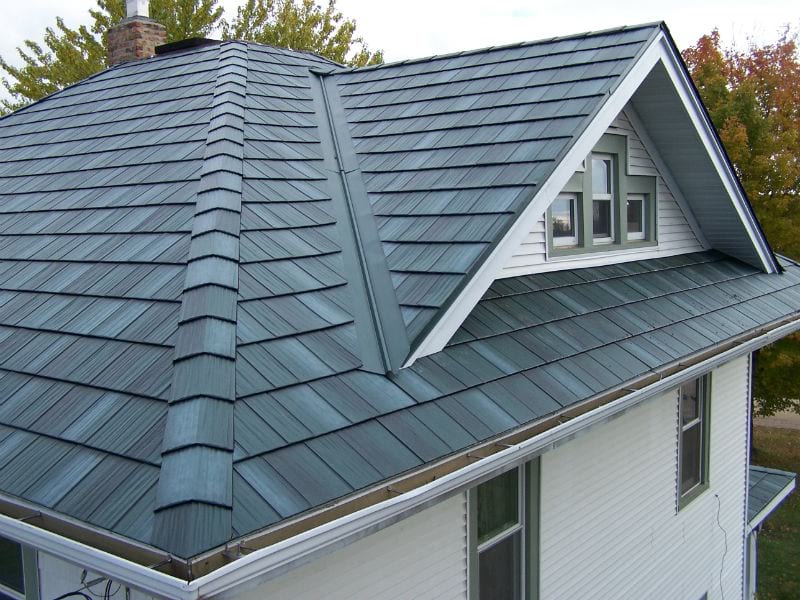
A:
[(528, 477), (686, 425), (624, 184)]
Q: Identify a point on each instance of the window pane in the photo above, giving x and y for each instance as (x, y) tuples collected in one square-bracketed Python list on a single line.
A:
[(690, 405), (11, 565), (601, 224), (498, 505), (563, 215), (601, 176), (691, 449), (499, 573), (635, 215)]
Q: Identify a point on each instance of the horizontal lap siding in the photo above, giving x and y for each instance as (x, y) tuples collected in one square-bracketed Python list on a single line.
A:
[(675, 235), (422, 557), (609, 527)]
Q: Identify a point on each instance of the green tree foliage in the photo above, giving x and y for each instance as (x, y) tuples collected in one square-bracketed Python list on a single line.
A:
[(753, 97), (302, 25), (70, 55), (776, 381)]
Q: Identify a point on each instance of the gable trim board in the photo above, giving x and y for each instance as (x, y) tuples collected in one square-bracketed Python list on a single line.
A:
[(268, 562), (659, 51)]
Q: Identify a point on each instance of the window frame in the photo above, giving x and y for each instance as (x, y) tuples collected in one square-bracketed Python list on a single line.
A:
[(528, 524), (622, 184), (703, 420), (638, 235), (568, 241)]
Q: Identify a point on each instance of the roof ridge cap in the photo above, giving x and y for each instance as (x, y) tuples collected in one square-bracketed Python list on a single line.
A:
[(195, 487)]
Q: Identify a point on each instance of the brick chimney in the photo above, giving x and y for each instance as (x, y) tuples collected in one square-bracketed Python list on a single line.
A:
[(136, 36)]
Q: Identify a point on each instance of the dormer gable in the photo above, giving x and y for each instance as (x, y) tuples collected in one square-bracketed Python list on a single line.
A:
[(660, 92)]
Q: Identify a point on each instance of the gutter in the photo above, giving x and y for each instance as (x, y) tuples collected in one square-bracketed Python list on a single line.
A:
[(294, 550)]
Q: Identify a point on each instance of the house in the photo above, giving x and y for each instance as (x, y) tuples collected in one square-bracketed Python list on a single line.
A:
[(471, 326)]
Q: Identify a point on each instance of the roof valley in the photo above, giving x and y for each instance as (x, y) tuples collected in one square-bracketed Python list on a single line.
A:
[(195, 483), (376, 310)]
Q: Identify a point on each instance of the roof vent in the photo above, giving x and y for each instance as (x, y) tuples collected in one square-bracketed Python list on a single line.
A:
[(136, 36)]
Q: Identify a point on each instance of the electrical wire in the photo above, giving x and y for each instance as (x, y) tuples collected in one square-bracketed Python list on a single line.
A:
[(74, 595), (725, 553)]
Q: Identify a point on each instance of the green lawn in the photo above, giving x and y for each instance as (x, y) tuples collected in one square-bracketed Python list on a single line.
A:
[(779, 541)]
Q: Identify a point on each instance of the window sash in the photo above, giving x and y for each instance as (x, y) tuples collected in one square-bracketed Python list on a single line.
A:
[(566, 240), (693, 439), (518, 529), (606, 234), (639, 231)]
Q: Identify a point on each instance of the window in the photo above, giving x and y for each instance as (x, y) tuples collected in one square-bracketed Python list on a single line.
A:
[(603, 207), (12, 578), (500, 547), (636, 216), (602, 198), (17, 571), (693, 415), (564, 213), (503, 541)]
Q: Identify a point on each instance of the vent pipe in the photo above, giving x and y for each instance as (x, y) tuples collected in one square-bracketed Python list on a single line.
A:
[(136, 36)]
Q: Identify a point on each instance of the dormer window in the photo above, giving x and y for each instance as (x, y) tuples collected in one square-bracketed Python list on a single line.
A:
[(603, 207)]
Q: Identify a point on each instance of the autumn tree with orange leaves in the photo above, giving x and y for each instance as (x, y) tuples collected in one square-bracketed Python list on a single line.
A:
[(753, 97)]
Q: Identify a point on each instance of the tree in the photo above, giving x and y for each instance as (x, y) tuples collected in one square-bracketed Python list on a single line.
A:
[(70, 55), (302, 25), (753, 98), (776, 385)]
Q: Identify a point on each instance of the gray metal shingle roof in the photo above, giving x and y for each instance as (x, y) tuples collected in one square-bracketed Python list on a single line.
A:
[(212, 262)]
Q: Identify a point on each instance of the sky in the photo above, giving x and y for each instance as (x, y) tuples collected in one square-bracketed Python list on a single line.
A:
[(417, 28)]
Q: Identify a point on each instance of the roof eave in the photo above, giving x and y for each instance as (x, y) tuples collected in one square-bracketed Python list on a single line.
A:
[(291, 543)]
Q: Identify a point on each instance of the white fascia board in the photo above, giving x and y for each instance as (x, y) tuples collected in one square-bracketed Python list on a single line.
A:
[(756, 521), (268, 563), (659, 50)]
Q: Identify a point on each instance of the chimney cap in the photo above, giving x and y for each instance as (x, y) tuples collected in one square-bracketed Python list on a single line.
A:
[(137, 8)]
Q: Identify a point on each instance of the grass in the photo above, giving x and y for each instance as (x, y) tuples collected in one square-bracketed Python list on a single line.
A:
[(779, 541)]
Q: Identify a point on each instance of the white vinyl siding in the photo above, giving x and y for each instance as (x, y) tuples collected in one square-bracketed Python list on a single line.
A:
[(422, 557), (610, 527), (674, 233)]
